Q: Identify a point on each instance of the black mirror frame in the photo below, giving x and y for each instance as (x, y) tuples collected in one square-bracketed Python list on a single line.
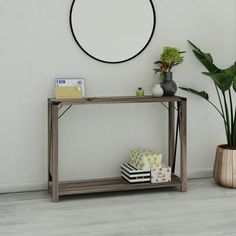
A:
[(114, 62)]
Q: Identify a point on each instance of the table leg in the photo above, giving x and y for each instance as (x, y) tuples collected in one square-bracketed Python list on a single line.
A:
[(55, 194), (183, 145), (171, 134), (49, 145)]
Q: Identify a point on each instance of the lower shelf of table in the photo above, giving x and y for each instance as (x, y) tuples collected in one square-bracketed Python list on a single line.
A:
[(109, 185)]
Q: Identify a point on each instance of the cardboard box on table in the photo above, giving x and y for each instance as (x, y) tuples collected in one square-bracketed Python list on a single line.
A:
[(145, 159), (70, 88), (161, 175), (68, 92)]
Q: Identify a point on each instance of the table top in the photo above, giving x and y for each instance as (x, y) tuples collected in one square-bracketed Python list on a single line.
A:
[(114, 100)]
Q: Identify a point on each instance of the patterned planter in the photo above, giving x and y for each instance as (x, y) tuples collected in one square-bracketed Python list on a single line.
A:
[(225, 166)]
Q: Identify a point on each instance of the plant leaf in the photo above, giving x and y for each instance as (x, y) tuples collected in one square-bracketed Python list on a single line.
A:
[(207, 55), (161, 78), (205, 58), (234, 83), (158, 62), (222, 80), (231, 71), (157, 70), (194, 46), (206, 62), (202, 94)]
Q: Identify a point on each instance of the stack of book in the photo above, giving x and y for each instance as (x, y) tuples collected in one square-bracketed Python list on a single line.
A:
[(145, 166)]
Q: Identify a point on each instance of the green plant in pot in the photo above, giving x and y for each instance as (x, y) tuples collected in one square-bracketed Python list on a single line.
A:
[(224, 81), (169, 58)]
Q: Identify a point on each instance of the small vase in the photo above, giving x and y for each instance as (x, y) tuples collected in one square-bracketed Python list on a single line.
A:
[(168, 85), (225, 166), (157, 91)]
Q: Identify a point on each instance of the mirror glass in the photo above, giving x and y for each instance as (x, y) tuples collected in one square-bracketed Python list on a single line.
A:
[(112, 31)]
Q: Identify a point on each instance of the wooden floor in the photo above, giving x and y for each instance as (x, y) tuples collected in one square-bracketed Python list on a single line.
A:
[(205, 209)]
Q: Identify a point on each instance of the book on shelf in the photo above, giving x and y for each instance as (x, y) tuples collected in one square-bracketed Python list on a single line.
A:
[(134, 175)]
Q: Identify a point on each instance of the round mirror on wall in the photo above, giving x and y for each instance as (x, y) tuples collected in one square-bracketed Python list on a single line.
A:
[(112, 31)]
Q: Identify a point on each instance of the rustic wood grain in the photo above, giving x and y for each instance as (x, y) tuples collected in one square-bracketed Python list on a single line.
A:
[(183, 144), (116, 184), (171, 134), (49, 144), (55, 194), (114, 100), (110, 185)]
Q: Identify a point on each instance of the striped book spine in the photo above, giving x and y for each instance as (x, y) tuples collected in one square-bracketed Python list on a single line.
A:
[(134, 175)]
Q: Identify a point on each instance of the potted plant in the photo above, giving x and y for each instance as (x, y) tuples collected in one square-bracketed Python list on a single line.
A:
[(169, 58), (225, 86)]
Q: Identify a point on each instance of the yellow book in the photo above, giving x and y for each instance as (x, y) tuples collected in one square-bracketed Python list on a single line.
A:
[(68, 92)]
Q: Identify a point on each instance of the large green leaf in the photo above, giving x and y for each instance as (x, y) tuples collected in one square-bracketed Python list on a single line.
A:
[(202, 94), (231, 71), (234, 83), (207, 55), (222, 80), (205, 58), (205, 62), (194, 46)]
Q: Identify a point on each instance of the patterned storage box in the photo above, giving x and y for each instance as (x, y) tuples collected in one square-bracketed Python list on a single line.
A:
[(161, 175), (145, 159), (133, 175)]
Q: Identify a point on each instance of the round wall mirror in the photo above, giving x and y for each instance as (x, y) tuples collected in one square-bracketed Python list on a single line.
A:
[(112, 31)]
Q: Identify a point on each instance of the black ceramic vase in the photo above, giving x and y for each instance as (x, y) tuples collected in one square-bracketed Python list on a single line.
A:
[(168, 85)]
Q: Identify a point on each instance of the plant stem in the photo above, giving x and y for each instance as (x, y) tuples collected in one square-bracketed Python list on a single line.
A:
[(217, 109), (227, 131), (232, 117), (227, 118), (234, 129), (218, 94), (222, 109)]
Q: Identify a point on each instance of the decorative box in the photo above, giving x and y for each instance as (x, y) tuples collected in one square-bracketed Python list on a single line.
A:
[(133, 175), (68, 92), (161, 175), (70, 88), (145, 159)]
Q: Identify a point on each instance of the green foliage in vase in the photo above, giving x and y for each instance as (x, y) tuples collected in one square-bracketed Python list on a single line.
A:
[(225, 86), (172, 57), (169, 58)]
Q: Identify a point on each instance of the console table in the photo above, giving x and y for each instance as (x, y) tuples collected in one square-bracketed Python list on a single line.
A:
[(59, 188)]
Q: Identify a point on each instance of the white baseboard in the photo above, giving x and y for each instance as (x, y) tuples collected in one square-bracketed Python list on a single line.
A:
[(207, 173), (22, 187), (39, 186)]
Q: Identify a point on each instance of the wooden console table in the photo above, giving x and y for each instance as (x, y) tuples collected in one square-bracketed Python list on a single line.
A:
[(59, 188)]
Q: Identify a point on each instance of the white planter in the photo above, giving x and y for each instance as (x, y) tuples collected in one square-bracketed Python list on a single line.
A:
[(157, 91)]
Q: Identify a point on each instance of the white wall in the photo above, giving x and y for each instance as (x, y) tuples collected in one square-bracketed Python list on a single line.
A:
[(36, 46)]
